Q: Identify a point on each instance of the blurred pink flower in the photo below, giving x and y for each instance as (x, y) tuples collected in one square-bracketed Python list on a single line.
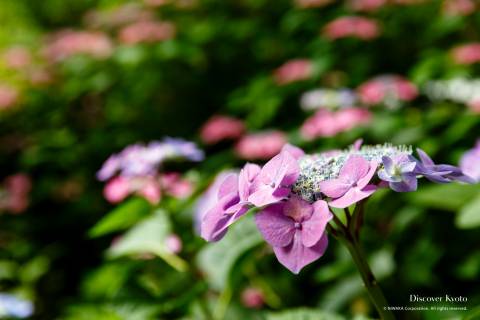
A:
[(173, 184), (219, 128), (326, 123), (116, 189), (470, 162), (367, 5), (15, 196), (173, 243), (352, 26), (458, 7), (39, 76), (121, 15), (293, 70), (146, 31), (252, 298), (9, 96), (467, 53), (474, 105), (312, 3), (17, 57), (149, 188), (261, 145), (66, 43), (381, 88)]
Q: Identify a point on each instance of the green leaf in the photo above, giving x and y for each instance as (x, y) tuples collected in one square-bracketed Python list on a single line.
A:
[(148, 236), (122, 217), (303, 314), (444, 196), (469, 215), (217, 259)]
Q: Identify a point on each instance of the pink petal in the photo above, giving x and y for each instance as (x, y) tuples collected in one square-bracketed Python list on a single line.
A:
[(245, 179), (295, 151), (296, 256), (276, 228), (334, 188), (298, 209), (265, 195), (281, 169), (314, 228), (366, 179), (228, 186), (352, 196), (354, 168)]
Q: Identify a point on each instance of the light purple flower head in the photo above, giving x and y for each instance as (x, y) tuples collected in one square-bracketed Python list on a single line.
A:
[(470, 162), (109, 168), (351, 185), (439, 173), (399, 173), (275, 179), (296, 231)]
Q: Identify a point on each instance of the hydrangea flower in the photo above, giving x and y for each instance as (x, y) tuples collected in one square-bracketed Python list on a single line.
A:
[(399, 173), (296, 231), (290, 192)]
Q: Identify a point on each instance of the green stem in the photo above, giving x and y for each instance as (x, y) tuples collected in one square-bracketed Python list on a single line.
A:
[(349, 235)]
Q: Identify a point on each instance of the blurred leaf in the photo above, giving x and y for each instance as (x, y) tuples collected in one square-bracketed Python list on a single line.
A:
[(148, 236), (444, 196), (217, 259), (469, 215), (127, 311), (122, 217), (106, 281)]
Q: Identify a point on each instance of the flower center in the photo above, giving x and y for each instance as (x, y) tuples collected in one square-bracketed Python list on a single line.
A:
[(298, 225)]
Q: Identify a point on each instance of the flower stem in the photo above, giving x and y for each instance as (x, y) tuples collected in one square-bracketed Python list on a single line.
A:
[(349, 235)]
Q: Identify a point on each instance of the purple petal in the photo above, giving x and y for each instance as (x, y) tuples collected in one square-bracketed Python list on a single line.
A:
[(426, 160), (385, 176), (296, 256), (352, 196), (366, 179), (282, 169), (298, 209), (388, 164), (314, 228), (354, 168), (295, 151), (334, 188), (408, 183), (276, 228), (245, 179), (357, 144), (265, 195), (228, 186)]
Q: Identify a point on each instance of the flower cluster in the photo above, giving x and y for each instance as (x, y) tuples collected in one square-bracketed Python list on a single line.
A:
[(460, 90), (326, 123), (327, 98), (466, 54), (293, 70), (352, 26), (136, 170), (387, 89), (14, 194), (293, 193)]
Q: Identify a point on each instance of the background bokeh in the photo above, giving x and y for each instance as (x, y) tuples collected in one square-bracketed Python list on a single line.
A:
[(83, 79)]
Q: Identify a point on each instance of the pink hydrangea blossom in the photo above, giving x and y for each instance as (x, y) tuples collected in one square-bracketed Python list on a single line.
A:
[(387, 89), (15, 196), (474, 105), (351, 185), (326, 123), (367, 5), (458, 7), (470, 162), (146, 32), (9, 96), (219, 128), (17, 57), (174, 185), (296, 231), (466, 54), (261, 145), (352, 26), (66, 43), (117, 189), (293, 70), (253, 298)]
